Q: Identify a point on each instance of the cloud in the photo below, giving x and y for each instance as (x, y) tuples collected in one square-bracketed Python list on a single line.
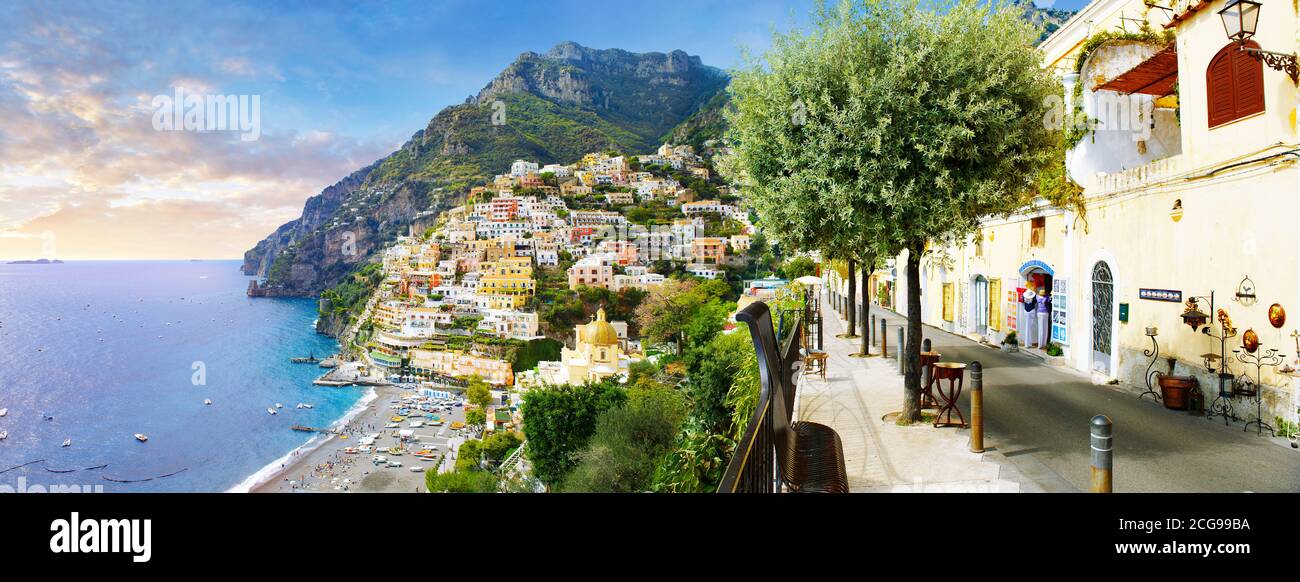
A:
[(80, 158)]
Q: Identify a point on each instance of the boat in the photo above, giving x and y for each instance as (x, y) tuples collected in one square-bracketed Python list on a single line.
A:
[(207, 401), (4, 434), (307, 406), (272, 411), (299, 407), (278, 405), (141, 437), (67, 442), (4, 411)]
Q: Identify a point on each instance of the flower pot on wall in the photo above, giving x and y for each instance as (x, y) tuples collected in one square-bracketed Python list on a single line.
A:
[(1174, 391)]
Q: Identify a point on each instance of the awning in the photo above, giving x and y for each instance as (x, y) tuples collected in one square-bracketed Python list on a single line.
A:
[(1154, 76)]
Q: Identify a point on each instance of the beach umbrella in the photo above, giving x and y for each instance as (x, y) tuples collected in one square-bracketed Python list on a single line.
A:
[(808, 280)]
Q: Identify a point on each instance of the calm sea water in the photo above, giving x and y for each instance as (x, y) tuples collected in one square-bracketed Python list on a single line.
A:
[(109, 349)]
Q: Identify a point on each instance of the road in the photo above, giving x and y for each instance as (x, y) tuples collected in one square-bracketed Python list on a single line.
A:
[(1036, 415)]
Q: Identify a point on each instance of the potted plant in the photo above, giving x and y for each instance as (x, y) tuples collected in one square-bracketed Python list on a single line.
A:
[(1010, 343)]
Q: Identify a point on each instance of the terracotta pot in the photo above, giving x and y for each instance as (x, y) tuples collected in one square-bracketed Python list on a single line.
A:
[(1174, 391)]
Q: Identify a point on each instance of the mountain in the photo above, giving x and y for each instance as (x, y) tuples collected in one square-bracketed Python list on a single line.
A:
[(1047, 19), (551, 108)]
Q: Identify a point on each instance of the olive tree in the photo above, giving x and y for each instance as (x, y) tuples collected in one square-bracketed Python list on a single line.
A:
[(892, 126)]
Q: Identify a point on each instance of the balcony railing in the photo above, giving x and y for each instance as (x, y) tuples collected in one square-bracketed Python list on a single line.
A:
[(753, 468)]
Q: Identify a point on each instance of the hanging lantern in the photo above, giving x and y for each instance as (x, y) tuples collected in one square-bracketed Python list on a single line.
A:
[(1193, 316)]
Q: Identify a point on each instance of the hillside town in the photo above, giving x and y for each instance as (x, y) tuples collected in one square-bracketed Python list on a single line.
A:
[(452, 297)]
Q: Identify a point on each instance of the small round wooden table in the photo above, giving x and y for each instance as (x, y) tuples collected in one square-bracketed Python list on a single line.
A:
[(954, 373), (927, 361)]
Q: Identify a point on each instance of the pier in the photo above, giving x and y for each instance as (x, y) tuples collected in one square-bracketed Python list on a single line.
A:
[(301, 428)]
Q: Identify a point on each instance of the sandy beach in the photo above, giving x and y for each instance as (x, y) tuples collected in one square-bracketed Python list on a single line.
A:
[(328, 469)]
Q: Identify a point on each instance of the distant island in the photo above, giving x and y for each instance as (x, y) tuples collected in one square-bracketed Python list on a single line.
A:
[(37, 262)]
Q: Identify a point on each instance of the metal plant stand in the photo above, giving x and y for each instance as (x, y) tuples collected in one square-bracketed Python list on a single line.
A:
[(1154, 354), (1222, 405), (1259, 359)]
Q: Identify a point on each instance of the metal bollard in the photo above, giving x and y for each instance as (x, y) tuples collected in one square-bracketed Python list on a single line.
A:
[(976, 407), (902, 347), (875, 339), (1102, 451), (884, 339), (926, 371)]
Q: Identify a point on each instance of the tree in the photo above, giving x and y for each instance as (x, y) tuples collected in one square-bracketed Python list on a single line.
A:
[(472, 481), (476, 417), (559, 421), (901, 124), (478, 393), (796, 267), (628, 442)]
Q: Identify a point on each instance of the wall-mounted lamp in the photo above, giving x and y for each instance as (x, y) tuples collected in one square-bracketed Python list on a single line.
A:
[(1240, 19)]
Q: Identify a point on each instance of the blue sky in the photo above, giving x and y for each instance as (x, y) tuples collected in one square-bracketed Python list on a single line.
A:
[(341, 84)]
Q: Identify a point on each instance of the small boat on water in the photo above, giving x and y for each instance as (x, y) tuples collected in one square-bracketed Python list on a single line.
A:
[(47, 416), (4, 434), (4, 411), (278, 405), (207, 402), (307, 406), (67, 442), (141, 437), (300, 406), (272, 411)]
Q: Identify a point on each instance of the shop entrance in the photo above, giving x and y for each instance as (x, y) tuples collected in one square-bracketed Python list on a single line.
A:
[(1036, 319), (980, 303)]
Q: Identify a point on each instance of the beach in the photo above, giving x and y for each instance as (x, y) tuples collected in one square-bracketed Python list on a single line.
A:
[(323, 467)]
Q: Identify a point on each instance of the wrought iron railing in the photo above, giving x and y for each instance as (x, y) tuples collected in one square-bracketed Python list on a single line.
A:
[(752, 468)]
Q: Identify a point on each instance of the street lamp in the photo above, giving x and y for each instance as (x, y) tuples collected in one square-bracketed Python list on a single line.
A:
[(1240, 19)]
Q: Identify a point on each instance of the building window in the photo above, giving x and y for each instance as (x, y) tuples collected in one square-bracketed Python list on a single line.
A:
[(979, 244), (1234, 84), (1038, 232)]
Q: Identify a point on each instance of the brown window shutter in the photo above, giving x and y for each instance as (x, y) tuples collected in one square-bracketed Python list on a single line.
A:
[(1248, 76), (1234, 85)]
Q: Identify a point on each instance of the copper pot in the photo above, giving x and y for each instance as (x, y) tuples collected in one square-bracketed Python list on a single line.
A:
[(1174, 391)]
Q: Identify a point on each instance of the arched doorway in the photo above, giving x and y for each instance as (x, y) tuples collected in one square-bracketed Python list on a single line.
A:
[(980, 304), (1103, 307), (1034, 326)]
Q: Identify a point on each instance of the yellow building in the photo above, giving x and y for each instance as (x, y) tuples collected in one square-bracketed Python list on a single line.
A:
[(597, 354), (1190, 184), (508, 276)]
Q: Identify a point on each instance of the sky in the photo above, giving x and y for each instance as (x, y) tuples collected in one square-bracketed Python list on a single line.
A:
[(86, 173)]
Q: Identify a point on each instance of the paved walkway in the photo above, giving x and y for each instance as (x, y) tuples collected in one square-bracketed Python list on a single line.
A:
[(1036, 429), (881, 456)]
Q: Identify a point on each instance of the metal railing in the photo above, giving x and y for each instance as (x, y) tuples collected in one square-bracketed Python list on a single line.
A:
[(753, 468)]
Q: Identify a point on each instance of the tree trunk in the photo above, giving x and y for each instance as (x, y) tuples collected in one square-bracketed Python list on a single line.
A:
[(853, 296), (866, 308), (912, 367)]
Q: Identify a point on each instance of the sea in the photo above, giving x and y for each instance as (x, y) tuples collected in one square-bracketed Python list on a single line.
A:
[(97, 351)]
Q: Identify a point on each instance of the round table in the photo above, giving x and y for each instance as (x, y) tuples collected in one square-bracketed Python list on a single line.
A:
[(955, 374)]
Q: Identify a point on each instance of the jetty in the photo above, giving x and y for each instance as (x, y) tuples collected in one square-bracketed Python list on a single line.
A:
[(351, 374), (312, 359), (301, 428)]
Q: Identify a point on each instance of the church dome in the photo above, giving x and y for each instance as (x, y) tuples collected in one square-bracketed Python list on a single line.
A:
[(599, 332)]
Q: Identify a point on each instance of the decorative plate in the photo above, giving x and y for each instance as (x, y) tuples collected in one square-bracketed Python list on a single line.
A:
[(1276, 315), (1250, 341)]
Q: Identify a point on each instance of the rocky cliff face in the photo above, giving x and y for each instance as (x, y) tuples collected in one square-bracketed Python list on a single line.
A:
[(551, 108)]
